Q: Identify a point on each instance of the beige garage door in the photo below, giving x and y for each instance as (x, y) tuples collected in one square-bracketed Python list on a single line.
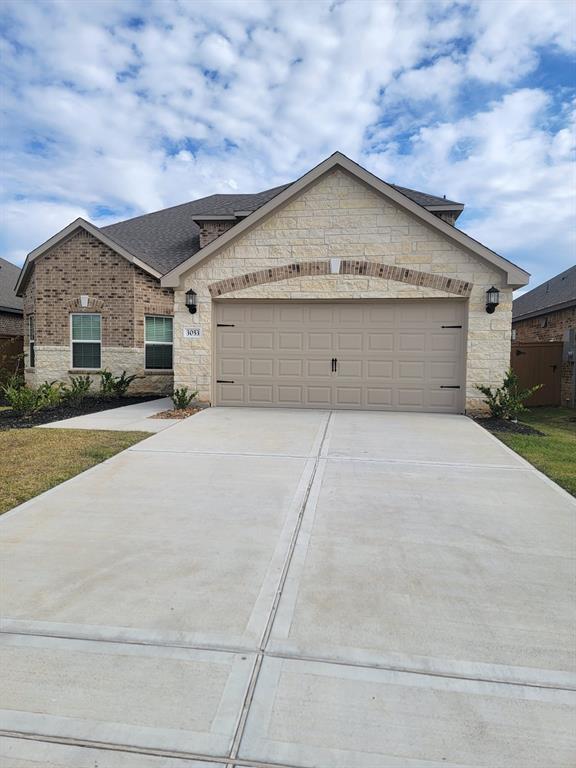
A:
[(394, 355)]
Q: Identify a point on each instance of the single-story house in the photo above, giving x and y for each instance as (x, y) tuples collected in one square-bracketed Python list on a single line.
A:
[(544, 339), (338, 290), (11, 320)]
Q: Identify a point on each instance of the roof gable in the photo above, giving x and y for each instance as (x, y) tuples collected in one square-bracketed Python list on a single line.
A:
[(65, 233), (515, 275)]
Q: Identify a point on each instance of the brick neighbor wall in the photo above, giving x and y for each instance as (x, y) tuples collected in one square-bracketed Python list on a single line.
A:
[(11, 324), (551, 327), (120, 292), (340, 217)]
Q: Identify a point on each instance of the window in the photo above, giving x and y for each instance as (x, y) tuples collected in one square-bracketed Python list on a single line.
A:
[(31, 341), (513, 334), (86, 341), (158, 342)]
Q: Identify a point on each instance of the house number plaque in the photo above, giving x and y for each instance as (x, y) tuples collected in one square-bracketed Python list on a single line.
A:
[(194, 332)]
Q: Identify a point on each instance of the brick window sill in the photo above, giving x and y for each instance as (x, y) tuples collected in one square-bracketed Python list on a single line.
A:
[(75, 371)]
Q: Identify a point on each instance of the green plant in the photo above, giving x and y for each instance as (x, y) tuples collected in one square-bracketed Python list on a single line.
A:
[(115, 386), (507, 401), (182, 398), (23, 400), (51, 393), (78, 389)]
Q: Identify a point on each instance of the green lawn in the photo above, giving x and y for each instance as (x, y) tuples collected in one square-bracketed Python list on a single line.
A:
[(555, 453), (33, 460)]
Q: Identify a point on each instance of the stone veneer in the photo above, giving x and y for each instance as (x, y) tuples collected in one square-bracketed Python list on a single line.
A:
[(120, 292), (340, 217)]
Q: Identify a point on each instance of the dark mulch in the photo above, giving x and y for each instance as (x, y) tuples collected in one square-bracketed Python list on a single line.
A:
[(502, 425), (180, 413), (10, 420)]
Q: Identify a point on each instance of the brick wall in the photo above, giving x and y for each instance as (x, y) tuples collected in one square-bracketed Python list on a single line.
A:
[(210, 230), (548, 327), (11, 324), (551, 327), (117, 290)]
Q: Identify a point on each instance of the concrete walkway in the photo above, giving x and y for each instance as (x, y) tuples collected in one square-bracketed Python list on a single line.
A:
[(301, 589), (129, 418)]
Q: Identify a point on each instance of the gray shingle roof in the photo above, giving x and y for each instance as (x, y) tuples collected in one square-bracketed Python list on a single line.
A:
[(166, 238), (557, 292), (9, 274), (423, 198)]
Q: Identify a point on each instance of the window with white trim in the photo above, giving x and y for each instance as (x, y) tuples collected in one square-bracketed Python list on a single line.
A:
[(31, 341), (86, 335), (158, 342), (513, 334)]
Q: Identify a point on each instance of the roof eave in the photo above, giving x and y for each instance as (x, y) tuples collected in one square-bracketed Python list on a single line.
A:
[(79, 223), (544, 310), (516, 276)]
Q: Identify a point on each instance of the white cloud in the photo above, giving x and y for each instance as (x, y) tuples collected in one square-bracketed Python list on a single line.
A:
[(225, 96)]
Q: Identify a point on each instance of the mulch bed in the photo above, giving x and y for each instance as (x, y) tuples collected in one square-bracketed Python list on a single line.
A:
[(181, 413), (503, 425), (11, 420)]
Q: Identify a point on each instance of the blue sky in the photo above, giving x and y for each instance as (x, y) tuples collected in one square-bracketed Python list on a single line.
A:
[(112, 109)]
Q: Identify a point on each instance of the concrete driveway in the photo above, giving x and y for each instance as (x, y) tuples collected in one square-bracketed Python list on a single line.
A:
[(293, 588)]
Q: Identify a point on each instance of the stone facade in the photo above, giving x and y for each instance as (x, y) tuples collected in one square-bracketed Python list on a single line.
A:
[(550, 327), (120, 292), (11, 324), (338, 217)]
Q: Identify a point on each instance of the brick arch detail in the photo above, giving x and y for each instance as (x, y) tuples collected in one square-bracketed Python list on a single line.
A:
[(358, 267), (94, 305)]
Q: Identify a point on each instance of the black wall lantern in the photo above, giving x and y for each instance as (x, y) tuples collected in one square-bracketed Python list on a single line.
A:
[(492, 299), (191, 302)]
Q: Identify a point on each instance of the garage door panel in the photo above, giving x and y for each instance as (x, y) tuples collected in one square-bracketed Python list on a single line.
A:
[(230, 366), (411, 342), (380, 369), (290, 367), (320, 342), (413, 398), (260, 366), (257, 340), (380, 342), (318, 368), (290, 394), (390, 355), (411, 369), (292, 341)]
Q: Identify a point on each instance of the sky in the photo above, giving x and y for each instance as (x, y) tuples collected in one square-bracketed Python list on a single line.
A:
[(115, 108)]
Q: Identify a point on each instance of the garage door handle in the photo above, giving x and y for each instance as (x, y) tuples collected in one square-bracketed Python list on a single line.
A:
[(449, 386), (225, 325), (334, 364), (451, 326), (224, 381)]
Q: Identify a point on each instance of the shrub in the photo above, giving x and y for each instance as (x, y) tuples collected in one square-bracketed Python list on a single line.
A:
[(78, 389), (23, 400), (182, 398), (115, 386), (507, 401), (51, 393)]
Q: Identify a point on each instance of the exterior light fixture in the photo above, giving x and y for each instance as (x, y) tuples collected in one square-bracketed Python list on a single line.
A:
[(492, 299), (191, 302)]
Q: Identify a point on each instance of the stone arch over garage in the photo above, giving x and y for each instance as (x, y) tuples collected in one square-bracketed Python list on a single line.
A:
[(323, 267)]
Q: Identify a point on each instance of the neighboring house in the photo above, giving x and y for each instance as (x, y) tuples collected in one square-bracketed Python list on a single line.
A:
[(544, 339), (11, 322), (338, 290)]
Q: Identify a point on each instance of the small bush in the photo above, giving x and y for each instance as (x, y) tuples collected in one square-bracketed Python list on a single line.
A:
[(23, 400), (51, 393), (507, 401), (78, 389), (182, 398), (115, 386)]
